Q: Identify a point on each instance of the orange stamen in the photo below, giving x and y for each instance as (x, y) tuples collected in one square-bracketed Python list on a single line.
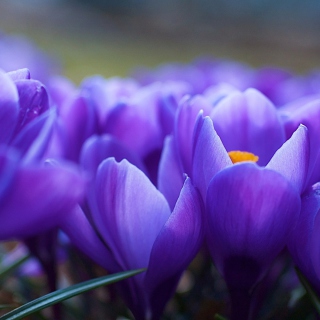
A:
[(241, 156)]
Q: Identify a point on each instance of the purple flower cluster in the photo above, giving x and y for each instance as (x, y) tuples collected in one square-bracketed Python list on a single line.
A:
[(34, 195), (210, 155)]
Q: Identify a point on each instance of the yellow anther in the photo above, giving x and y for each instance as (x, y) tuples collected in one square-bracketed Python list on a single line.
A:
[(241, 156)]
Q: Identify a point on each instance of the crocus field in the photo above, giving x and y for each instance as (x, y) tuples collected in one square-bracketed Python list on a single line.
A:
[(203, 179)]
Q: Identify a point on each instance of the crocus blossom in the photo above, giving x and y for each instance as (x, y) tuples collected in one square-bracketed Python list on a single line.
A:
[(33, 195), (135, 222), (250, 210)]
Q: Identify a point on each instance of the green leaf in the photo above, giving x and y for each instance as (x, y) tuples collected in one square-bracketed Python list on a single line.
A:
[(311, 293), (9, 269), (63, 294)]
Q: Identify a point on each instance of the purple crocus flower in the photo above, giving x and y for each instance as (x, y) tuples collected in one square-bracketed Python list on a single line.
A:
[(134, 221), (33, 196), (139, 118), (250, 210)]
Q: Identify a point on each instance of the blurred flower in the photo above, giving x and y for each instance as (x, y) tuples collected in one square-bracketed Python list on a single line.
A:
[(279, 85), (33, 196)]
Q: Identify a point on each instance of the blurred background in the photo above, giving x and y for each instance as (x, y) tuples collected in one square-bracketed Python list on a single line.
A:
[(111, 37)]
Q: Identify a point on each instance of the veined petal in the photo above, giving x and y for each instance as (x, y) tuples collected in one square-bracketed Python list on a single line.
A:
[(176, 245), (251, 211), (249, 122), (33, 100), (309, 116), (39, 199), (184, 124), (129, 212), (209, 154), (170, 175), (292, 159), (33, 140), (82, 234), (304, 242), (9, 107)]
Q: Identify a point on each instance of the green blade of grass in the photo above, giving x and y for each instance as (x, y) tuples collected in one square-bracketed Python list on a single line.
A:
[(9, 269), (311, 293), (66, 293)]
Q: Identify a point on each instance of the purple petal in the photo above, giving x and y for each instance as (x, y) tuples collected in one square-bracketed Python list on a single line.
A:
[(309, 116), (33, 140), (39, 200), (126, 200), (136, 124), (60, 89), (304, 241), (292, 159), (106, 93), (209, 154), (81, 233), (183, 234), (9, 107), (80, 121), (251, 211), (170, 175), (98, 148), (9, 160), (249, 122), (184, 125), (171, 93), (312, 208), (20, 74), (33, 100)]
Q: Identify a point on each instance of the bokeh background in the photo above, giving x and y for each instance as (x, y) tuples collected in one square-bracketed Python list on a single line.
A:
[(111, 37)]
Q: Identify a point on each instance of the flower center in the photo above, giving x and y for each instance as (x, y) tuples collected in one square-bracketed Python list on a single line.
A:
[(241, 156)]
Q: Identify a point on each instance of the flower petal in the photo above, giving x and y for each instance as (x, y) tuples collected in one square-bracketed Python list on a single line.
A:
[(33, 100), (19, 74), (209, 154), (98, 148), (9, 107), (80, 118), (39, 200), (308, 115), (251, 211), (177, 244), (304, 242), (33, 140), (9, 160), (136, 124), (313, 209), (185, 121), (170, 176), (81, 233), (292, 159), (249, 122), (129, 212)]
